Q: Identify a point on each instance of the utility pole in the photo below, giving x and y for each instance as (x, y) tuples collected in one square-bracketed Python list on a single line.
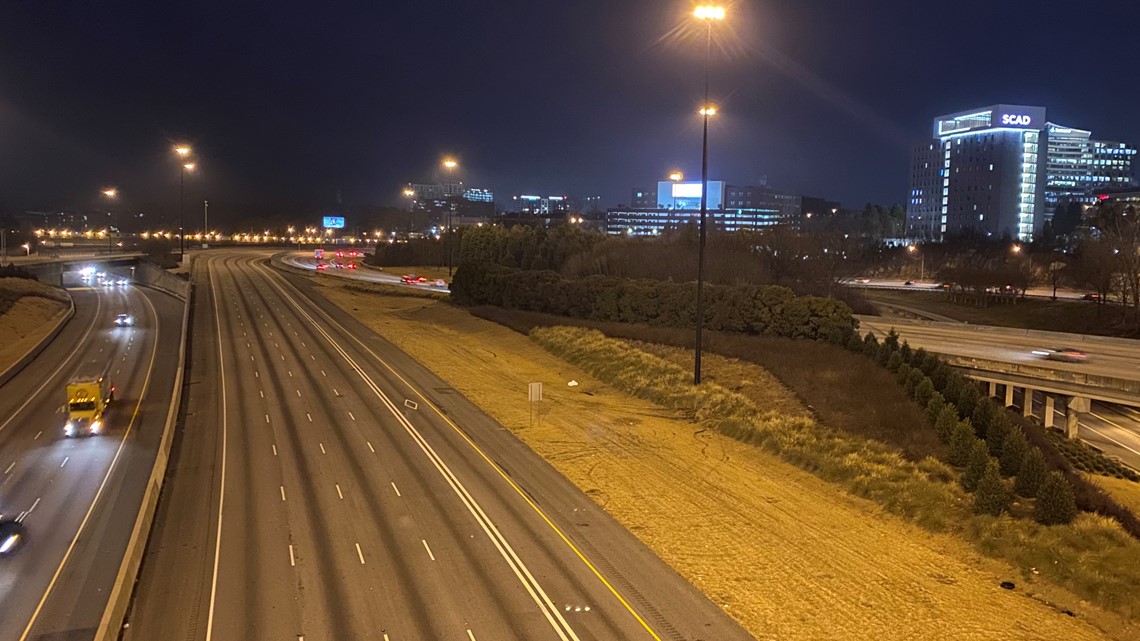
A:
[(206, 220)]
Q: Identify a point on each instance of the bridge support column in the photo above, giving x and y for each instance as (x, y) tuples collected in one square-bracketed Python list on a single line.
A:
[(1073, 410), (1050, 410), (993, 389), (1009, 395), (1027, 402)]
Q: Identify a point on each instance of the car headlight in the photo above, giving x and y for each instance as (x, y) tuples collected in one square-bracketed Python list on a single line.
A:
[(69, 427), (9, 543), (95, 426)]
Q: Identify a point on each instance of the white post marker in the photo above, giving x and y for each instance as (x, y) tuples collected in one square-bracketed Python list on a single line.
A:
[(534, 395)]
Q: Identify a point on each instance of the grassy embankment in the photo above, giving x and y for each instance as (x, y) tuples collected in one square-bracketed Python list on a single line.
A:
[(782, 551), (28, 310), (1077, 317)]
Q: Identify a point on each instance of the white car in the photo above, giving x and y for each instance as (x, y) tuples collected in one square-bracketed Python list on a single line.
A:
[(124, 320)]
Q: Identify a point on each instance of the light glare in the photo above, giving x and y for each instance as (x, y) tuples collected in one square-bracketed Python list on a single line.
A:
[(709, 12)]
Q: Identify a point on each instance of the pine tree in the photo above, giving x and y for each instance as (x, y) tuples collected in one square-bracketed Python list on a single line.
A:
[(982, 415), (1032, 473), (901, 373), (968, 398), (1013, 450), (1000, 427), (946, 422), (924, 391), (1055, 502), (975, 465), (917, 357), (961, 443), (905, 353), (894, 361), (991, 497), (913, 378), (934, 406), (892, 340)]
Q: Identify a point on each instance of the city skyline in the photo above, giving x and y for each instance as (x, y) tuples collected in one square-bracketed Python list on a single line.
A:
[(379, 96)]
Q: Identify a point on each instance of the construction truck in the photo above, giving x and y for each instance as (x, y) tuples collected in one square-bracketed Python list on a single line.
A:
[(87, 399)]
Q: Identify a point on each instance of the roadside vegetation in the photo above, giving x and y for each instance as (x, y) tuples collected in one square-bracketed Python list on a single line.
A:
[(1089, 554), (787, 554)]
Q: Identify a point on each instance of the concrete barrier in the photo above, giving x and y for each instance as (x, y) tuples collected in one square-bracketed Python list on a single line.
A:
[(151, 275), (110, 626), (35, 350)]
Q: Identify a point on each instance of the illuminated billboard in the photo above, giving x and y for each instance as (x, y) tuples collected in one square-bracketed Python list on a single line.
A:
[(334, 222), (687, 190)]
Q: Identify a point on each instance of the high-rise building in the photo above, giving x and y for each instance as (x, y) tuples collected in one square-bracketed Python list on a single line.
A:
[(1076, 166), (1004, 169), (989, 174)]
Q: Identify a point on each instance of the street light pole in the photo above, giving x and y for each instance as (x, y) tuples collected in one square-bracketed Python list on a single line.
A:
[(708, 14), (181, 212), (450, 164)]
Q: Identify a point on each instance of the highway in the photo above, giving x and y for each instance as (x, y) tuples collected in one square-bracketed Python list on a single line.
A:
[(305, 260), (1064, 293), (1113, 429), (327, 486), (78, 497)]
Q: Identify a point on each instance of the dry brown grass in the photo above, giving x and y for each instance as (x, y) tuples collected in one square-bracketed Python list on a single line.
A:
[(785, 553), (845, 391), (25, 323), (1123, 491)]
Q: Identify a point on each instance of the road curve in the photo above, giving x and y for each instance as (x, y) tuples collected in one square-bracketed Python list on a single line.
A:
[(78, 497)]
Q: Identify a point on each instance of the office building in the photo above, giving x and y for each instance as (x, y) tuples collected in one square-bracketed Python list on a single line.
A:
[(730, 208), (1003, 170), (544, 206), (1077, 166), (990, 179), (437, 200)]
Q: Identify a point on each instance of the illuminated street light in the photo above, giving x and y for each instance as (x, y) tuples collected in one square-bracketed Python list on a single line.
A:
[(709, 14), (28, 248), (450, 164), (111, 193), (183, 152), (676, 176), (922, 261)]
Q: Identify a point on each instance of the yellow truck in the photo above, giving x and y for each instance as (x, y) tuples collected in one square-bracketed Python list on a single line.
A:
[(87, 401)]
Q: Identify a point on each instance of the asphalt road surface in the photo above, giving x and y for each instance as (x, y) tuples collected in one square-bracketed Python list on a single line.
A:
[(920, 285), (327, 486), (78, 497), (305, 260)]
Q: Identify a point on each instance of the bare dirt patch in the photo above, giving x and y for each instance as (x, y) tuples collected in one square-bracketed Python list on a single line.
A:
[(785, 553)]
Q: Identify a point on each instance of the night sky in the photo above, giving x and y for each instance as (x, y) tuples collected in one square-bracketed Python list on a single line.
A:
[(287, 103)]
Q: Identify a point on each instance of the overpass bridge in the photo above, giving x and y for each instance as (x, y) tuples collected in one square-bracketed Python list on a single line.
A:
[(1003, 359)]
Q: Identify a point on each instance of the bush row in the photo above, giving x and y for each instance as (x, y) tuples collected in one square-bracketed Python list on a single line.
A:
[(979, 433), (750, 309)]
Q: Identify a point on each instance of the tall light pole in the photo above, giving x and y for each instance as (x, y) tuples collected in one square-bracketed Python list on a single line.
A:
[(206, 220), (111, 194), (921, 261), (410, 194), (449, 164), (183, 152), (708, 14)]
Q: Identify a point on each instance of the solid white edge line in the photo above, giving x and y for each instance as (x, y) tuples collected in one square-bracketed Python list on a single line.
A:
[(222, 487), (360, 554), (102, 485), (430, 555)]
